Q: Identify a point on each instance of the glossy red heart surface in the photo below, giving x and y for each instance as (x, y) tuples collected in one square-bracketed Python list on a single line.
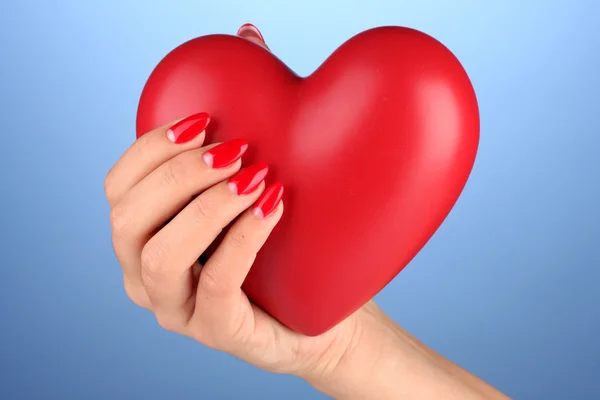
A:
[(373, 148)]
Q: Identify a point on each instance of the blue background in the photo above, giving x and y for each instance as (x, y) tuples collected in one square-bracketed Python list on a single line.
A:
[(507, 288)]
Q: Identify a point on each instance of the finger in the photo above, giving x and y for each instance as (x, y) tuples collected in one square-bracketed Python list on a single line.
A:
[(151, 150), (168, 257), (251, 32), (162, 194), (231, 261), (218, 292)]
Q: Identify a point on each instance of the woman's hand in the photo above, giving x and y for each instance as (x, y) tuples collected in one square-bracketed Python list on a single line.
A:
[(171, 195)]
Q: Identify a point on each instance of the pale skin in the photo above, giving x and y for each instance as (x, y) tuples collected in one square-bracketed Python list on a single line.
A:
[(168, 206)]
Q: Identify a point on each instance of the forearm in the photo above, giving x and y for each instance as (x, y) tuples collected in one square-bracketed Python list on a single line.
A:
[(386, 362)]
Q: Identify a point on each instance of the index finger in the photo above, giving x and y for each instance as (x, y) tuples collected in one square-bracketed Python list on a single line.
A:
[(152, 150)]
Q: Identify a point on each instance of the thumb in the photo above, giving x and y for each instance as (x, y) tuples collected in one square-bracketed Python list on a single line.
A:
[(251, 32)]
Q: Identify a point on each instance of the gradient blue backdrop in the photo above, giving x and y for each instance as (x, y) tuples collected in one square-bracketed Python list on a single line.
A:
[(507, 288)]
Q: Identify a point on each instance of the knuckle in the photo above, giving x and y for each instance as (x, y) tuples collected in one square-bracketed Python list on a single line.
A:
[(183, 169), (237, 240), (118, 220), (109, 190), (204, 209), (209, 285), (153, 260), (172, 173)]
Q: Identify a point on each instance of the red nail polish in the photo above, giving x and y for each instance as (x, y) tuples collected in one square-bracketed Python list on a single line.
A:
[(248, 179), (225, 154), (250, 29), (188, 128), (268, 201)]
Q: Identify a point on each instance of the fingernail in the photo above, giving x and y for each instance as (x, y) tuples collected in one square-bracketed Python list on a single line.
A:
[(248, 179), (188, 128), (225, 154), (268, 201), (249, 29)]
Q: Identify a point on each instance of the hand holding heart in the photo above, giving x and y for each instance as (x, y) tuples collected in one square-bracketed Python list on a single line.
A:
[(172, 194), (374, 149)]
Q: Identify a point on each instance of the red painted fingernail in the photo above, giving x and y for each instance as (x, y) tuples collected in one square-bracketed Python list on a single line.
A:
[(268, 201), (188, 128), (249, 29), (248, 179), (225, 154)]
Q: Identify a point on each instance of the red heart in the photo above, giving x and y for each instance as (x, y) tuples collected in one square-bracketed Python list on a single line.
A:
[(374, 148)]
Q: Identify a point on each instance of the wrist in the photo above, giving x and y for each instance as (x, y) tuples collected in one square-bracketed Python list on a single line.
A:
[(382, 361), (375, 362)]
